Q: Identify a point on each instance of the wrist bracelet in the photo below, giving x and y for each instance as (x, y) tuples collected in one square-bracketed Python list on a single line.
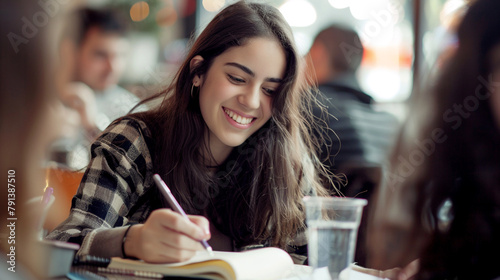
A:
[(123, 242)]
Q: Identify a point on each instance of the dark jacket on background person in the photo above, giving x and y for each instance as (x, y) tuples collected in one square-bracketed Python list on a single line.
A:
[(358, 142), (361, 134)]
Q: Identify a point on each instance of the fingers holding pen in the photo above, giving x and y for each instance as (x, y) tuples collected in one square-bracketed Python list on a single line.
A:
[(167, 236), (197, 227), (202, 223)]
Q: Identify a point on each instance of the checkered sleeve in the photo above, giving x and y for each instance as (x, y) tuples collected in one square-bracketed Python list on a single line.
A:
[(297, 248), (118, 175)]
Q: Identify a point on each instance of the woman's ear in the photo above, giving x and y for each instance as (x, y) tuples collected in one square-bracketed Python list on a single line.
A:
[(195, 62)]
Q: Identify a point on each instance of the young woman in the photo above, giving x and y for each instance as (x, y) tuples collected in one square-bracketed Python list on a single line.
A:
[(231, 140), (441, 203)]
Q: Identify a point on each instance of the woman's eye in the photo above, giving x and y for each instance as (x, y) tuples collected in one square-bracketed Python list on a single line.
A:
[(269, 91), (235, 79)]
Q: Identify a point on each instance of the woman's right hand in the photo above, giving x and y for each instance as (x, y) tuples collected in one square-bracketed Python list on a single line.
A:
[(167, 237)]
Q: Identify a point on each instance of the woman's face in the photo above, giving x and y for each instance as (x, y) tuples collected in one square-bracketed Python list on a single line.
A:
[(236, 92)]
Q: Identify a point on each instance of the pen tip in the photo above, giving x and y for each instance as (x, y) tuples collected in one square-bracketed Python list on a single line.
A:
[(210, 251)]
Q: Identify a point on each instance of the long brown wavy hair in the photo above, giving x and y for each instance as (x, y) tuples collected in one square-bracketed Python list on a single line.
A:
[(256, 194), (450, 186)]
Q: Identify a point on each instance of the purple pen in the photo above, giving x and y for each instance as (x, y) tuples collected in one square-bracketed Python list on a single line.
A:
[(46, 196), (176, 206), (44, 202)]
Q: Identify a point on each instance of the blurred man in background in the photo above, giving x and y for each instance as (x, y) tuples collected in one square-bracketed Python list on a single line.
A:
[(359, 136), (100, 52), (93, 56)]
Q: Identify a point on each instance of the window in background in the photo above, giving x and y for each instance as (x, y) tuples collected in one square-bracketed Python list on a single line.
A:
[(439, 27)]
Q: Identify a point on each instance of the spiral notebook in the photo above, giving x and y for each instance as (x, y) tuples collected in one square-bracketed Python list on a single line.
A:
[(263, 263)]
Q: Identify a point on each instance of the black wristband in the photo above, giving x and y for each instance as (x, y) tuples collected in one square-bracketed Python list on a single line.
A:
[(123, 242)]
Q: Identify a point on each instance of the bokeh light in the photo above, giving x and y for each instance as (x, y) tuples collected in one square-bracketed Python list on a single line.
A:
[(339, 4), (213, 5), (298, 13), (166, 16), (139, 11)]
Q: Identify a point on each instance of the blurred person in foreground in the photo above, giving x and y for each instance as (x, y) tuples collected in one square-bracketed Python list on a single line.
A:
[(360, 136), (25, 99), (93, 52), (441, 200)]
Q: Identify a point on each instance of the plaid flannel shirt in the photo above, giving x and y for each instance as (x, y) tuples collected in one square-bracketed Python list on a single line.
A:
[(115, 192)]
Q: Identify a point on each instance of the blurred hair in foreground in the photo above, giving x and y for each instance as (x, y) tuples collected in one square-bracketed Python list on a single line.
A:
[(25, 95), (441, 198)]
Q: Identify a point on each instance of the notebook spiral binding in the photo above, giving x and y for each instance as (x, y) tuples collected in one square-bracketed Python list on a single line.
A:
[(99, 265)]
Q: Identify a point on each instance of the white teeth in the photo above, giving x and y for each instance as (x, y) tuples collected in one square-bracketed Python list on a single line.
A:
[(237, 118)]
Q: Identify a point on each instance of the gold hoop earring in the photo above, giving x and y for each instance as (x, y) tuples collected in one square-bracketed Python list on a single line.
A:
[(192, 90)]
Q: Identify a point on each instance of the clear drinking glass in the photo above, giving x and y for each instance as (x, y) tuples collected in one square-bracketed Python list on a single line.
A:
[(333, 224)]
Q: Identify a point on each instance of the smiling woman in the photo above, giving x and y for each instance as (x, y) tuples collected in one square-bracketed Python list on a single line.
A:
[(235, 93), (231, 139)]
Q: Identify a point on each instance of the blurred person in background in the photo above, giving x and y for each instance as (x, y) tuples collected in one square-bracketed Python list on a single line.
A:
[(26, 96), (93, 52), (441, 200), (359, 135)]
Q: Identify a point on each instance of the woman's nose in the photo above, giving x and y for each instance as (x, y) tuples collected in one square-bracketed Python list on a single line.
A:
[(250, 98)]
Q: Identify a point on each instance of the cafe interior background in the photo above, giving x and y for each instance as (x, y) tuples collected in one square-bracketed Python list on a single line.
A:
[(402, 38)]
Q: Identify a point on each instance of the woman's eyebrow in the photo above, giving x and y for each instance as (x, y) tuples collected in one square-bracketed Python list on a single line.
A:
[(250, 72)]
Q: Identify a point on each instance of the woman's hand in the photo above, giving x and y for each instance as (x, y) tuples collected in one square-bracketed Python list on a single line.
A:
[(406, 273), (81, 98), (167, 237)]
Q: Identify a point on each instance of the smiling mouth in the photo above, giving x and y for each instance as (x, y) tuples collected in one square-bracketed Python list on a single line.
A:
[(237, 118)]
